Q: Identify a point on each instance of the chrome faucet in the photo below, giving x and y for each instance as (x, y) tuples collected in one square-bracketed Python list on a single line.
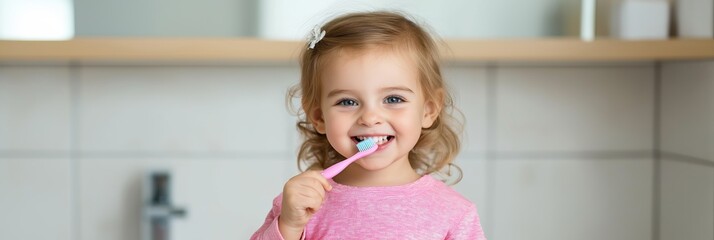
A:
[(157, 206)]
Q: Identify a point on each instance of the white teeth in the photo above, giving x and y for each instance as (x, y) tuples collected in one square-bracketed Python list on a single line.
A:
[(378, 140)]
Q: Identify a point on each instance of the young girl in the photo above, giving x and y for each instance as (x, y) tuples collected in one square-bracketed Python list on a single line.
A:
[(373, 75)]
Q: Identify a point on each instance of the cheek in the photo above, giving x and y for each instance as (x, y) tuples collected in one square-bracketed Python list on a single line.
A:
[(410, 124), (336, 126)]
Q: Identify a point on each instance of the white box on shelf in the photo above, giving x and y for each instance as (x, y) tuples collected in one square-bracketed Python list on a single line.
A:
[(640, 19), (695, 18)]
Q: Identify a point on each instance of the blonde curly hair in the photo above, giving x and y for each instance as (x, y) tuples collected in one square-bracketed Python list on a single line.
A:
[(437, 146)]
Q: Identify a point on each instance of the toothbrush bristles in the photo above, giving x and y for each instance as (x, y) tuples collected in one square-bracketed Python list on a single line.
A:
[(366, 144)]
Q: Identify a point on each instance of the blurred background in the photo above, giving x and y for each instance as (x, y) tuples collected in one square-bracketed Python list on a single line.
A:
[(553, 149)]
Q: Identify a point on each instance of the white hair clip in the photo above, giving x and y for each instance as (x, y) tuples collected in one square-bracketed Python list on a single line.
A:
[(316, 36)]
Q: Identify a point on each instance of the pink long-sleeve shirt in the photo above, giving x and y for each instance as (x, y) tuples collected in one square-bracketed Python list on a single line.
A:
[(424, 209)]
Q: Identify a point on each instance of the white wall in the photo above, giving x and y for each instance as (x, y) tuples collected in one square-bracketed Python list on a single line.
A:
[(687, 144), (169, 18), (282, 19), (558, 151)]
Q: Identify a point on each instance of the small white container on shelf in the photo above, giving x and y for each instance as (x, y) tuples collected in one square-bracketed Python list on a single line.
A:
[(36, 20), (587, 20), (640, 19), (695, 18)]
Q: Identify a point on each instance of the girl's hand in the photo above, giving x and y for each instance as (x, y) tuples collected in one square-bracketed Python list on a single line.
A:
[(302, 197)]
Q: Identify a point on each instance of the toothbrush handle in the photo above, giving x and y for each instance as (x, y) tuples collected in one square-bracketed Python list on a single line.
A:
[(333, 170)]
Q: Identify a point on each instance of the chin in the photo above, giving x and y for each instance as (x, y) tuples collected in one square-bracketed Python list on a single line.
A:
[(373, 164)]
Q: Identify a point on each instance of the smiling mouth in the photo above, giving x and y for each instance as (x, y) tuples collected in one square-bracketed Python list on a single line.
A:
[(378, 139)]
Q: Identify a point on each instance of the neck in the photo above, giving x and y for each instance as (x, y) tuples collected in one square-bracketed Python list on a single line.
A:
[(398, 173)]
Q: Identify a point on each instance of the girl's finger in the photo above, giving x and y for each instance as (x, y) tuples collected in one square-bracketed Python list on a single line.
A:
[(322, 180)]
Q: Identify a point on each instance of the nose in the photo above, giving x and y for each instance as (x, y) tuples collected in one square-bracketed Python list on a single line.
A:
[(370, 116)]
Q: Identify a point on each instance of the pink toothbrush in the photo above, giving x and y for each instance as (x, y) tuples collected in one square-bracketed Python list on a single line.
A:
[(365, 147)]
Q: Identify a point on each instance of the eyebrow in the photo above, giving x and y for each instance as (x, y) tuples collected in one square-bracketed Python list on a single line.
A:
[(387, 89)]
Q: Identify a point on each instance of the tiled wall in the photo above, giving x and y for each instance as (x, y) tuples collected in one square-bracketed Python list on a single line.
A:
[(552, 151), (687, 145)]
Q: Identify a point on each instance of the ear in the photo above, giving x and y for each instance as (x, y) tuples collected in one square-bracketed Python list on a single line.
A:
[(432, 108), (317, 121)]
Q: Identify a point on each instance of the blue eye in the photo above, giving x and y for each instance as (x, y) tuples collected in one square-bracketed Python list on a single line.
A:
[(394, 99), (347, 102)]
